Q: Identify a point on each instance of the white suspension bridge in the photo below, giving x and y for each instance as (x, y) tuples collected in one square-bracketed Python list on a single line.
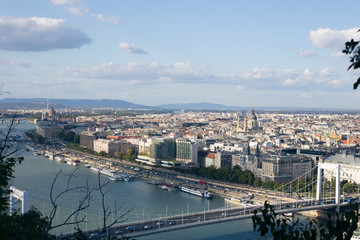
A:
[(317, 189)]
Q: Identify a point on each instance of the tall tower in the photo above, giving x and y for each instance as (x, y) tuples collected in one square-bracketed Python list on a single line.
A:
[(238, 114)]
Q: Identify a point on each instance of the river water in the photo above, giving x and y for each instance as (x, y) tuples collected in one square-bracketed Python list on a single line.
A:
[(36, 174)]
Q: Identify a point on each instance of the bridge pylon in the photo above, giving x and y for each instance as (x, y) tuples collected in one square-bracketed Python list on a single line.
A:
[(321, 167), (21, 195)]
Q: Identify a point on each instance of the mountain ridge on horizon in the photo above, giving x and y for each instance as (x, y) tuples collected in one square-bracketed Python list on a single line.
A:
[(113, 103), (78, 103)]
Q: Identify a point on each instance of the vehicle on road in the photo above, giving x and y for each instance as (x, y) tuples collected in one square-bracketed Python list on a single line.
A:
[(93, 235), (159, 223), (172, 222), (147, 227), (130, 228)]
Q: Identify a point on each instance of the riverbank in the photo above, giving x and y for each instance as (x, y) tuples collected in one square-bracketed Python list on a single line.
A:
[(219, 189), (223, 190)]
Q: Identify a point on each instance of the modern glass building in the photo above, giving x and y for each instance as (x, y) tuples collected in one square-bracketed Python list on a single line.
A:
[(164, 149), (186, 151)]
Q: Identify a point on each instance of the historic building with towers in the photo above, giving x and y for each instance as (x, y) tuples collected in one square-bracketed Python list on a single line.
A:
[(49, 126), (250, 122)]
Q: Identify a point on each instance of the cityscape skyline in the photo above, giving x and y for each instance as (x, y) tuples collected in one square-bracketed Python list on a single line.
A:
[(235, 53)]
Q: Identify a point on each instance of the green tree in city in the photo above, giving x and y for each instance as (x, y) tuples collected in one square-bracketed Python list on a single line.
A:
[(349, 187), (222, 174), (76, 138), (102, 153), (61, 135), (257, 182), (249, 177), (268, 185), (130, 155), (38, 138), (69, 136)]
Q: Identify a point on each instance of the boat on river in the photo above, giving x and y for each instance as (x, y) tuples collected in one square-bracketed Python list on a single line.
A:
[(153, 182), (87, 165), (28, 147), (112, 174), (94, 169), (60, 159), (116, 178), (168, 186), (196, 192), (235, 200)]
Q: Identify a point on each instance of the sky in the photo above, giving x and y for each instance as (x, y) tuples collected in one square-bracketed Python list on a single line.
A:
[(245, 53)]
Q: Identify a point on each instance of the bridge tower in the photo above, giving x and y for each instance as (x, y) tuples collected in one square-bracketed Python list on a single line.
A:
[(15, 195), (321, 167)]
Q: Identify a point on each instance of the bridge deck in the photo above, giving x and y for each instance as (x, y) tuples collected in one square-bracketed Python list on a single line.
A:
[(172, 223)]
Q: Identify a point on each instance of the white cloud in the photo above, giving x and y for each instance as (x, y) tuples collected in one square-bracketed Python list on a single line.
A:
[(304, 95), (240, 87), (187, 73), (113, 20), (126, 47), (98, 16), (15, 63), (326, 71), (67, 2), (257, 73), (150, 73), (75, 11), (39, 34), (77, 8), (338, 54), (307, 54), (164, 80), (288, 82), (336, 83), (333, 39), (307, 72), (310, 79)]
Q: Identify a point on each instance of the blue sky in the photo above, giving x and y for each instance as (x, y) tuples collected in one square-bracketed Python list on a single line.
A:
[(238, 53)]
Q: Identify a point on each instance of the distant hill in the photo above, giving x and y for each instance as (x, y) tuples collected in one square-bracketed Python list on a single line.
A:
[(197, 106), (74, 103), (219, 107)]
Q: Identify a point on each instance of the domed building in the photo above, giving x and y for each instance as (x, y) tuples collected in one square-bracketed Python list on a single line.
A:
[(52, 114), (49, 126), (250, 122), (49, 115)]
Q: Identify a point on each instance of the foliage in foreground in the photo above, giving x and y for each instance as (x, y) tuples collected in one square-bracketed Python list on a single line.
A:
[(338, 226), (30, 225), (352, 48)]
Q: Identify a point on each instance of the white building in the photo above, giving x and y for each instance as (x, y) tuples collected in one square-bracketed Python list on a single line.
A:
[(349, 165)]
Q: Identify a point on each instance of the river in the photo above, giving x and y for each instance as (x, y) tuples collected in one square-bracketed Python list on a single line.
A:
[(36, 174)]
